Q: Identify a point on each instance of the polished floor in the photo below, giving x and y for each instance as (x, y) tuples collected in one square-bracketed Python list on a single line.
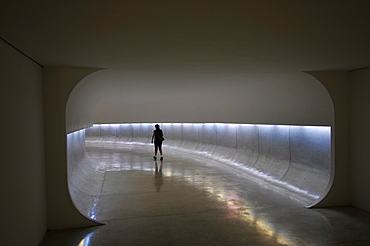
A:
[(192, 200)]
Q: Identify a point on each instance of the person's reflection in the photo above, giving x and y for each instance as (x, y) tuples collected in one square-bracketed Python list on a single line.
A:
[(158, 177)]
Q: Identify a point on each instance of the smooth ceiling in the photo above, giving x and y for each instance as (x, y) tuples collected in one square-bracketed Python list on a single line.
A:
[(191, 35)]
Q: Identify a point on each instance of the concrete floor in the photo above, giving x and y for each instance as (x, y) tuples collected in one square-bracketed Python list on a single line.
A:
[(191, 200)]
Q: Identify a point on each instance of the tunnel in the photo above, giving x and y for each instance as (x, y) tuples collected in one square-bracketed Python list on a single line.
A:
[(276, 127)]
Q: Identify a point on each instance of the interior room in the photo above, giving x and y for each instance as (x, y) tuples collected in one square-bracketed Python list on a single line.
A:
[(263, 105)]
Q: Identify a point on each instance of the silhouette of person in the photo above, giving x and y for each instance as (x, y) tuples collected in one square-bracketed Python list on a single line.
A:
[(157, 138), (158, 177)]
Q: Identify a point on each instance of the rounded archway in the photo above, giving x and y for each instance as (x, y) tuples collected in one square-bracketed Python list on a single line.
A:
[(271, 106), (115, 96)]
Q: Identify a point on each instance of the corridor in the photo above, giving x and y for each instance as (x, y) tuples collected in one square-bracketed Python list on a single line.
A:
[(193, 200)]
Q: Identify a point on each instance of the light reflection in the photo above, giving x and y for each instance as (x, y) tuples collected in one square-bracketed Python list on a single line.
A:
[(86, 240), (236, 207), (219, 192), (272, 179), (93, 210)]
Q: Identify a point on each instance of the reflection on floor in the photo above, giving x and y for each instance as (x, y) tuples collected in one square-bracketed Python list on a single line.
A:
[(190, 200)]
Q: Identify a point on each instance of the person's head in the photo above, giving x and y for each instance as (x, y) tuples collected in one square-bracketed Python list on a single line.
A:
[(157, 126)]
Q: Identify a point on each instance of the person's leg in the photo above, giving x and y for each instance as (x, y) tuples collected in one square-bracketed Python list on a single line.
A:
[(155, 150), (160, 151)]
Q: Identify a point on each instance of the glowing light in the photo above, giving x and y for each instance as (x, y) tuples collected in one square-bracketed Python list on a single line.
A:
[(318, 128), (267, 126), (283, 126)]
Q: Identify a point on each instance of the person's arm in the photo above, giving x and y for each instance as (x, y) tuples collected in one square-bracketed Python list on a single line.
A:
[(153, 137)]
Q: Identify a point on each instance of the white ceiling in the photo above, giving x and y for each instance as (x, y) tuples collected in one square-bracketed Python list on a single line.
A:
[(213, 35)]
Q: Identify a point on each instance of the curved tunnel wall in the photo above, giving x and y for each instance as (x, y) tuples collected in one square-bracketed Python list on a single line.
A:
[(85, 180), (110, 96), (297, 158)]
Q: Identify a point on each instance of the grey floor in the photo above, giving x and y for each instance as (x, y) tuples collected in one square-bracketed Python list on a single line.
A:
[(192, 200)]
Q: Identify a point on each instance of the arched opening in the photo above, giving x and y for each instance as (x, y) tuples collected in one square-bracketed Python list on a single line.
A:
[(278, 126)]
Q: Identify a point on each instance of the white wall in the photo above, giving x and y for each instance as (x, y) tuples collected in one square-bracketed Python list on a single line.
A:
[(22, 175), (58, 84), (270, 98), (338, 85), (360, 137)]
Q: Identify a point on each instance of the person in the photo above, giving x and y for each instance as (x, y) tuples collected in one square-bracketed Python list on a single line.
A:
[(157, 138)]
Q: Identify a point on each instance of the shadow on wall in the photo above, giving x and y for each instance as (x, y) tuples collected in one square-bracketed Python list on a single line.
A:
[(297, 158)]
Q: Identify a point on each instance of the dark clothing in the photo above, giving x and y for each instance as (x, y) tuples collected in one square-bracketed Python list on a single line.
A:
[(157, 145), (158, 135)]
